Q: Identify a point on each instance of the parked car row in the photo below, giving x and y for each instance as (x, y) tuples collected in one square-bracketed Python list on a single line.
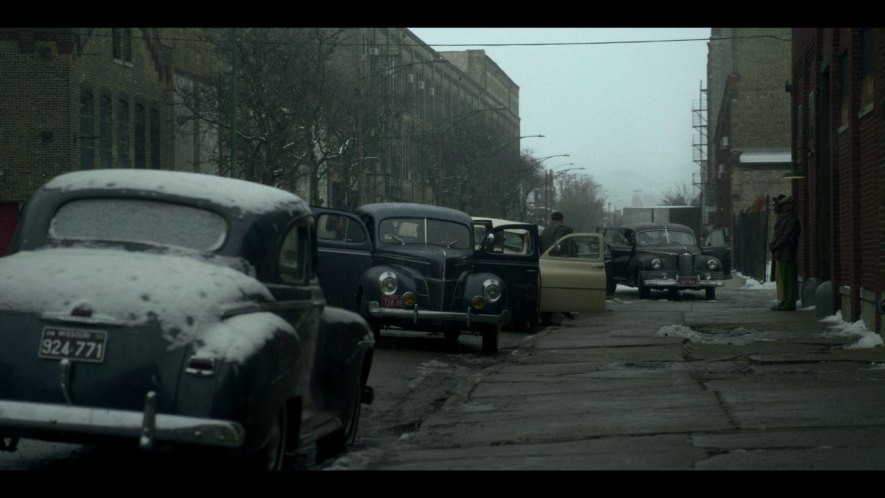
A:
[(175, 309)]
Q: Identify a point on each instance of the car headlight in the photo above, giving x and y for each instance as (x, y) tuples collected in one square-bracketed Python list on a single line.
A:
[(657, 264), (388, 282), (491, 290), (712, 265)]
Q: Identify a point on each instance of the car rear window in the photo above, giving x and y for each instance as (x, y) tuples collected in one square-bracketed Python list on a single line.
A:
[(140, 221)]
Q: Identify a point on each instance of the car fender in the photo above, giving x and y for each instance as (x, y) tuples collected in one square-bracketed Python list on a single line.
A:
[(473, 286), (369, 281)]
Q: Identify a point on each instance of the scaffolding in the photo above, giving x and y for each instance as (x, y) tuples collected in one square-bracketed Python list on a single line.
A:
[(699, 143)]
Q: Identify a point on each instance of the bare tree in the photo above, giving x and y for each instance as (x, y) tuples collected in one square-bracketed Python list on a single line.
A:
[(583, 201), (283, 100), (680, 195)]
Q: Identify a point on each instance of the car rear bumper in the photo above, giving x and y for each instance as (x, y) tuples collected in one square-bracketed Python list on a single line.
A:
[(417, 315), (147, 427)]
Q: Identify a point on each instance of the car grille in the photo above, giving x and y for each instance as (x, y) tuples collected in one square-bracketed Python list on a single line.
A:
[(439, 295), (684, 263)]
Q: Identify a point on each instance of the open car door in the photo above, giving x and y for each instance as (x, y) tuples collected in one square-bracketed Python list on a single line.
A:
[(344, 253), (512, 253), (573, 274)]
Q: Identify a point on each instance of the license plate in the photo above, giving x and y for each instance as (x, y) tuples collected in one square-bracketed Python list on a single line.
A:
[(391, 301), (688, 281), (59, 343)]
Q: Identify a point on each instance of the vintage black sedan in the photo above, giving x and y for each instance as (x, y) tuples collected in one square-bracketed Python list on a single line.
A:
[(664, 256), (411, 266), (169, 309)]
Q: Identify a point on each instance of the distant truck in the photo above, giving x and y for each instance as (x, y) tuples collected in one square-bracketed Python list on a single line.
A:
[(689, 216)]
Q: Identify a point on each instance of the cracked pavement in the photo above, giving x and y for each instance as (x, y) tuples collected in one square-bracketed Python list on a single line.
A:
[(662, 384)]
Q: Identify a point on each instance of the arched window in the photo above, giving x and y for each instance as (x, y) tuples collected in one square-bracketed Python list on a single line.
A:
[(155, 137), (104, 125), (123, 132), (139, 136), (86, 130)]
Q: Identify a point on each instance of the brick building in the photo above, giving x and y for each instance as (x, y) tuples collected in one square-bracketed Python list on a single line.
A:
[(79, 98), (749, 120), (838, 139)]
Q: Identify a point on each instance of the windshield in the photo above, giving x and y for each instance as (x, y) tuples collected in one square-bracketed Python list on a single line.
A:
[(664, 236), (424, 231), (134, 220)]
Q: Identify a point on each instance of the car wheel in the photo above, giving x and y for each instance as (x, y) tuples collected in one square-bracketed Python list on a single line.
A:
[(373, 322), (339, 441), (272, 456), (490, 341), (711, 293)]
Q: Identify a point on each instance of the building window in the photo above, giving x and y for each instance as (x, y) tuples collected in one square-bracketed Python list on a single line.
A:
[(104, 124), (844, 89), (123, 133), (866, 69), (86, 130), (155, 138), (121, 43), (139, 136)]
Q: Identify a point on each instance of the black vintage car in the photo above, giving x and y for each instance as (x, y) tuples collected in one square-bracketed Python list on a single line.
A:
[(169, 309), (411, 266), (662, 256)]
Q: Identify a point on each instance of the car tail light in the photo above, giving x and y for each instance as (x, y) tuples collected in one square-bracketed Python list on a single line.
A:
[(82, 310), (200, 366)]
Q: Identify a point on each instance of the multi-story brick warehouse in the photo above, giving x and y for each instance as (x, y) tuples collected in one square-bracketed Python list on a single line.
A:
[(838, 140), (77, 98)]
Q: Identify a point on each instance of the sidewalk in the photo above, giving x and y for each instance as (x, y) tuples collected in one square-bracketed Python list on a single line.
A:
[(659, 384)]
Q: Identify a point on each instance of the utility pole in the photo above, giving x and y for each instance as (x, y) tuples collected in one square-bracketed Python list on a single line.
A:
[(233, 103)]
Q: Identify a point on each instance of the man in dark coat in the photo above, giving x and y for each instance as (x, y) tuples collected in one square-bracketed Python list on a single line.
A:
[(784, 249), (553, 232)]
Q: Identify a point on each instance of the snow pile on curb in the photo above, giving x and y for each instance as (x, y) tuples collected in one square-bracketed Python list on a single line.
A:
[(841, 328)]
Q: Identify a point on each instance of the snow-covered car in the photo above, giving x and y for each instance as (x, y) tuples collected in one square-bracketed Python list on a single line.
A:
[(411, 266), (172, 309), (664, 256), (569, 276)]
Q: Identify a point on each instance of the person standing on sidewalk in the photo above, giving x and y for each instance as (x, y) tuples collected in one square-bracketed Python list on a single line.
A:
[(784, 249), (775, 275), (556, 230)]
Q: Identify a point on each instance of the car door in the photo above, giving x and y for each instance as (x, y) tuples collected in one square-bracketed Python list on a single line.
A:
[(513, 256), (620, 250), (344, 254), (716, 244), (573, 274)]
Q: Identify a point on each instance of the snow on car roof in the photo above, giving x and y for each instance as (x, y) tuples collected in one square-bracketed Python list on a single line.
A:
[(249, 197)]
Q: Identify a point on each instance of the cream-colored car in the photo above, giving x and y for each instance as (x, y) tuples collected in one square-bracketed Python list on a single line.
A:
[(568, 277)]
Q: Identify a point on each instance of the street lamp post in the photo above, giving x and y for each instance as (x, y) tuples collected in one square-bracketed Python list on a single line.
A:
[(548, 178)]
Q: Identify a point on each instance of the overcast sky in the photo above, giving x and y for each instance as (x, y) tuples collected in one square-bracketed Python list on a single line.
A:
[(622, 111)]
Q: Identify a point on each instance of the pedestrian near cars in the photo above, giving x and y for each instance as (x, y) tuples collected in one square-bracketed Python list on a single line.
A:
[(556, 230), (784, 249)]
